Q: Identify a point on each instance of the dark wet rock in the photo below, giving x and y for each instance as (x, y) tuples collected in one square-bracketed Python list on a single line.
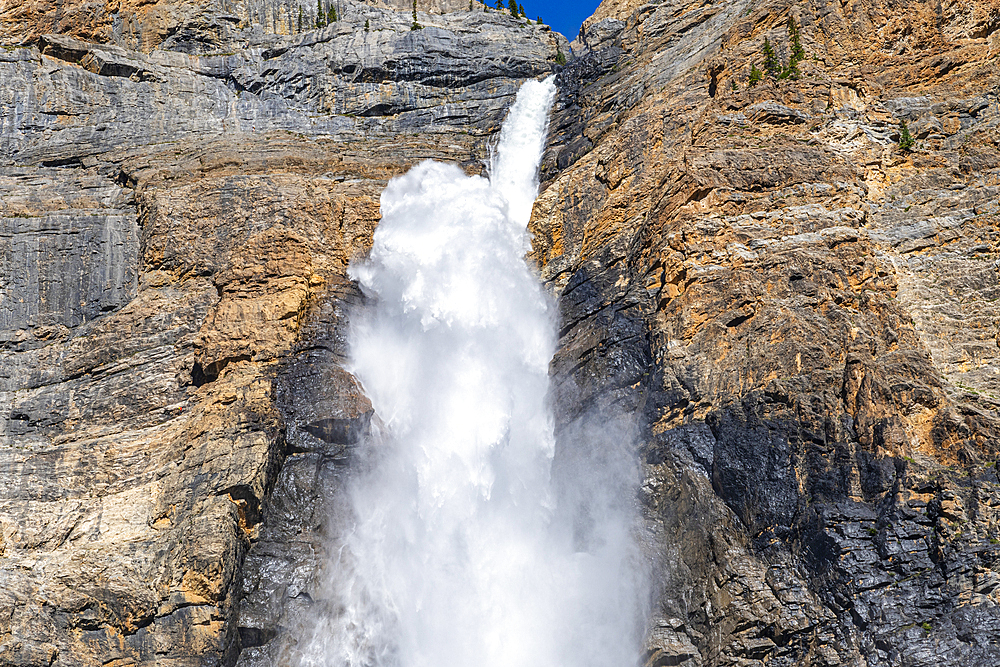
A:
[(178, 210), (782, 325)]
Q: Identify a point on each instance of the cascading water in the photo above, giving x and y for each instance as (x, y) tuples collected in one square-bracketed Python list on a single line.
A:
[(459, 555)]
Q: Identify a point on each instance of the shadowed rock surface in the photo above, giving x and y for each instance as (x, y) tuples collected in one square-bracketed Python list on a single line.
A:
[(176, 231), (794, 320), (799, 315)]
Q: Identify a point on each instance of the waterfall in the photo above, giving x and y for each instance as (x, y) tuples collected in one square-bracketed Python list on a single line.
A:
[(459, 555)]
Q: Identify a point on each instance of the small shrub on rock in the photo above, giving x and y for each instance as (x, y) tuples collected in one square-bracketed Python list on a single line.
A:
[(906, 140)]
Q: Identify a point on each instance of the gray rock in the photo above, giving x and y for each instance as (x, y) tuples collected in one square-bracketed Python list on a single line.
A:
[(174, 234), (602, 34), (93, 250)]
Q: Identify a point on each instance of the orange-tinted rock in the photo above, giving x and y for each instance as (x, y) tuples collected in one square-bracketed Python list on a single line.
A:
[(816, 311), (174, 293)]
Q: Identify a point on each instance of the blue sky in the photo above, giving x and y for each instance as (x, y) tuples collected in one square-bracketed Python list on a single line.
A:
[(564, 16)]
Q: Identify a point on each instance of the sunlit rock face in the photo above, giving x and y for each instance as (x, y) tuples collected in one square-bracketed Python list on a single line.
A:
[(804, 315), (794, 320), (177, 230), (190, 26)]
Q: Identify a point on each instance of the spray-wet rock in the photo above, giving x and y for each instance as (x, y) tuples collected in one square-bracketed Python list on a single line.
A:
[(793, 320), (814, 414)]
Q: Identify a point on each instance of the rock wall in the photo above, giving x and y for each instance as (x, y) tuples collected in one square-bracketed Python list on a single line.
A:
[(190, 26), (799, 316), (175, 235), (796, 319)]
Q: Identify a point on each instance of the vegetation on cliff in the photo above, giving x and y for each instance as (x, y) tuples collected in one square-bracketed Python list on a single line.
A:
[(798, 316)]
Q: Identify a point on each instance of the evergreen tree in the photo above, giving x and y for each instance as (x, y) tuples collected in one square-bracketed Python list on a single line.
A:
[(906, 140), (415, 26), (500, 5), (366, 25), (538, 20), (791, 71), (772, 66), (560, 57), (512, 6), (470, 5), (300, 18), (320, 14), (756, 76), (331, 14), (520, 10), (795, 39)]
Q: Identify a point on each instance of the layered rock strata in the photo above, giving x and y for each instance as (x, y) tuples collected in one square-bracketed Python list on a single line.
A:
[(176, 231), (792, 320), (798, 315), (197, 27)]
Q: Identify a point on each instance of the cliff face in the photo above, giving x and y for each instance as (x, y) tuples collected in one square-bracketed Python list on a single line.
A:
[(176, 231), (799, 315), (190, 26), (798, 319)]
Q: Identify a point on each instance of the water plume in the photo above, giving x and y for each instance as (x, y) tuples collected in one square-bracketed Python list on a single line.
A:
[(459, 554)]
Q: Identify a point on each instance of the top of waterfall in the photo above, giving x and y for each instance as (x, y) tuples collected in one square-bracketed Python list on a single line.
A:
[(514, 162)]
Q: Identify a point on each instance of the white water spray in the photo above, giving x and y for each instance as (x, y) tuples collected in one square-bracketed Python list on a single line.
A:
[(458, 556)]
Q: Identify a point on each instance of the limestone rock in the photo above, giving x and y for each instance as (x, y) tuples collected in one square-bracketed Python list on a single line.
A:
[(790, 321), (176, 232), (797, 315)]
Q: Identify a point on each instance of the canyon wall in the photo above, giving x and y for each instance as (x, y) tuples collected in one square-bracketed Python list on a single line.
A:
[(797, 319), (176, 230), (801, 316)]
